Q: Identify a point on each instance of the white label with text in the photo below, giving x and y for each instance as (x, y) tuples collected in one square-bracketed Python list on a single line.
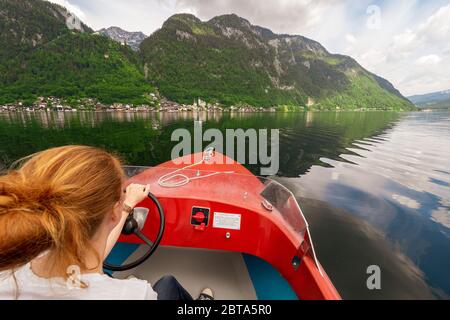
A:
[(227, 221)]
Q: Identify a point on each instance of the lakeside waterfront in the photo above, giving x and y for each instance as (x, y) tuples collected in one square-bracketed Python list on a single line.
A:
[(159, 105)]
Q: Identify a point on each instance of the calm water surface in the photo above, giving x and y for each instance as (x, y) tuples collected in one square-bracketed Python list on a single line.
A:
[(375, 187)]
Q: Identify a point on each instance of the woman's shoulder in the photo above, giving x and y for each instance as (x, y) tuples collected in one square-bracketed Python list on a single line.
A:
[(91, 287)]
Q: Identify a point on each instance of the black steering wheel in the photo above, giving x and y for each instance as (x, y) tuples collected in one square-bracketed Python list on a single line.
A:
[(131, 227)]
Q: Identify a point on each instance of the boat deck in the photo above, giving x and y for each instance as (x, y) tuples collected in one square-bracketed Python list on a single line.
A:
[(232, 276), (225, 273)]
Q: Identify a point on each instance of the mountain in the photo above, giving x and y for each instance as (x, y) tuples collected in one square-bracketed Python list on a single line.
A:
[(231, 61), (133, 39), (26, 24), (46, 51), (435, 100)]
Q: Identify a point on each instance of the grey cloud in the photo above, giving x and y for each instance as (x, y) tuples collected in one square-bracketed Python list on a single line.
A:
[(288, 16)]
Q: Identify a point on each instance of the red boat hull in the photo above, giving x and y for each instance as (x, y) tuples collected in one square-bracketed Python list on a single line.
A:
[(262, 233)]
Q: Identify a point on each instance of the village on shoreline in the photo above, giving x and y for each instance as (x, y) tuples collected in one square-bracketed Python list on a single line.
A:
[(158, 105)]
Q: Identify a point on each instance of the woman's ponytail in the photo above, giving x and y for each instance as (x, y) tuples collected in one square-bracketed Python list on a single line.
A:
[(55, 202)]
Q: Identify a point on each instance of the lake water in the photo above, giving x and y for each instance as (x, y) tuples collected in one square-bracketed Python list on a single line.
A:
[(375, 187)]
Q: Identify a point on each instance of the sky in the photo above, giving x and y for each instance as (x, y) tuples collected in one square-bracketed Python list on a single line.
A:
[(404, 41)]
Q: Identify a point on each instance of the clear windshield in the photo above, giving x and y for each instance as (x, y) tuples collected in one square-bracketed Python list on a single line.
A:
[(285, 203)]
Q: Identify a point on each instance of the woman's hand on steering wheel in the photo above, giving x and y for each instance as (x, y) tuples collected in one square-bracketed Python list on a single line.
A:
[(135, 194)]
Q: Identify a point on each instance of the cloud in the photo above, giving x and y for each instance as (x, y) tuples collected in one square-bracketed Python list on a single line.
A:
[(350, 38), (71, 7), (441, 216), (405, 43), (132, 15), (437, 27), (412, 49), (284, 16), (407, 202), (431, 59)]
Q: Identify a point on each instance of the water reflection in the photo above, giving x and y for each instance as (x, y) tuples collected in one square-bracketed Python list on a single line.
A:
[(62, 119), (145, 138), (347, 245), (398, 183)]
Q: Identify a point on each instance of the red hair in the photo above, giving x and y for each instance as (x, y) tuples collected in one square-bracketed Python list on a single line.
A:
[(56, 202)]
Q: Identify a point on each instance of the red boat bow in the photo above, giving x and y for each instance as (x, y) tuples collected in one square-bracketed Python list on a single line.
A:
[(220, 205)]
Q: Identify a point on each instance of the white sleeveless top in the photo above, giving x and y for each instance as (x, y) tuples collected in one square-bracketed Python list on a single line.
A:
[(29, 286)]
